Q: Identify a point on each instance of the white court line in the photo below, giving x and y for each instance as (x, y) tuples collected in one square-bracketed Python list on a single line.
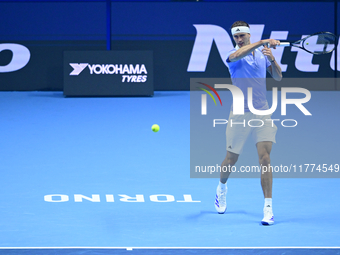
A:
[(174, 248)]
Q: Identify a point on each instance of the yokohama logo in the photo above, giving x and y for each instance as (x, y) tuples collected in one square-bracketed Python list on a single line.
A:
[(108, 68)]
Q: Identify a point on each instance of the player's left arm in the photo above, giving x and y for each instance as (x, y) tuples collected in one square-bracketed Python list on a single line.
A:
[(274, 69)]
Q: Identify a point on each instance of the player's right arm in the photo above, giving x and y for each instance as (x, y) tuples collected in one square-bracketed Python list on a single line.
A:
[(245, 50)]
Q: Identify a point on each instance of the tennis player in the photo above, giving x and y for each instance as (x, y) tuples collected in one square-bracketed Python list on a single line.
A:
[(248, 63)]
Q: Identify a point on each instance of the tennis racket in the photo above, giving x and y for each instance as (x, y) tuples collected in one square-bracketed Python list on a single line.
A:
[(317, 44)]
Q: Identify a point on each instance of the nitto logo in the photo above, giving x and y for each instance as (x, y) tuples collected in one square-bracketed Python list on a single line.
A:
[(113, 69), (207, 34)]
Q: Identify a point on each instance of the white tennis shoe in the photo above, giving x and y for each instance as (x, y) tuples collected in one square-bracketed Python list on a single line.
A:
[(221, 200), (268, 217)]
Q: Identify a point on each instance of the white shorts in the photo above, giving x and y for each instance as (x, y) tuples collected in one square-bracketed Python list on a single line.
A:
[(239, 127)]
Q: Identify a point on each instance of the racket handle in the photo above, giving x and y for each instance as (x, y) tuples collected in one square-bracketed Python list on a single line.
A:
[(284, 44)]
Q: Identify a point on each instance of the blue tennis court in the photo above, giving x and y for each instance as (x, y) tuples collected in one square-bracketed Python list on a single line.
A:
[(88, 176)]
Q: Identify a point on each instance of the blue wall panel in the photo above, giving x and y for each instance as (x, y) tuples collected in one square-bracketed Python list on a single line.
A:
[(48, 28)]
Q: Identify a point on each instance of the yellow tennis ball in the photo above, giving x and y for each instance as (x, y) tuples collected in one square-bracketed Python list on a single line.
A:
[(155, 128)]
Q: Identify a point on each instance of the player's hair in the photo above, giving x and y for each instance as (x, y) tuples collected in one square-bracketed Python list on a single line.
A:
[(239, 23)]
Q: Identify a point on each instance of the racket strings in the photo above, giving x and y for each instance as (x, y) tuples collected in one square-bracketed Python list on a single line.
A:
[(320, 43)]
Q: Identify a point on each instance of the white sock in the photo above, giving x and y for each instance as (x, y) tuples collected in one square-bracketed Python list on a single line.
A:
[(223, 186), (268, 203)]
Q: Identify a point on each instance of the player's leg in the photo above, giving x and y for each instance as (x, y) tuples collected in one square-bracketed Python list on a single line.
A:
[(221, 191), (263, 150), (236, 138), (229, 161), (264, 137)]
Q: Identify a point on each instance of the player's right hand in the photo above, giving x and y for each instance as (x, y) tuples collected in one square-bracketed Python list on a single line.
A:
[(271, 43)]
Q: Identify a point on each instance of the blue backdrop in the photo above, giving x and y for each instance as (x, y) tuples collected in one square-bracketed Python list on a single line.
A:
[(48, 28)]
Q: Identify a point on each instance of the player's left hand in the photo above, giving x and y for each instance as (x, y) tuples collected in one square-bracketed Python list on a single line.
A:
[(268, 52)]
